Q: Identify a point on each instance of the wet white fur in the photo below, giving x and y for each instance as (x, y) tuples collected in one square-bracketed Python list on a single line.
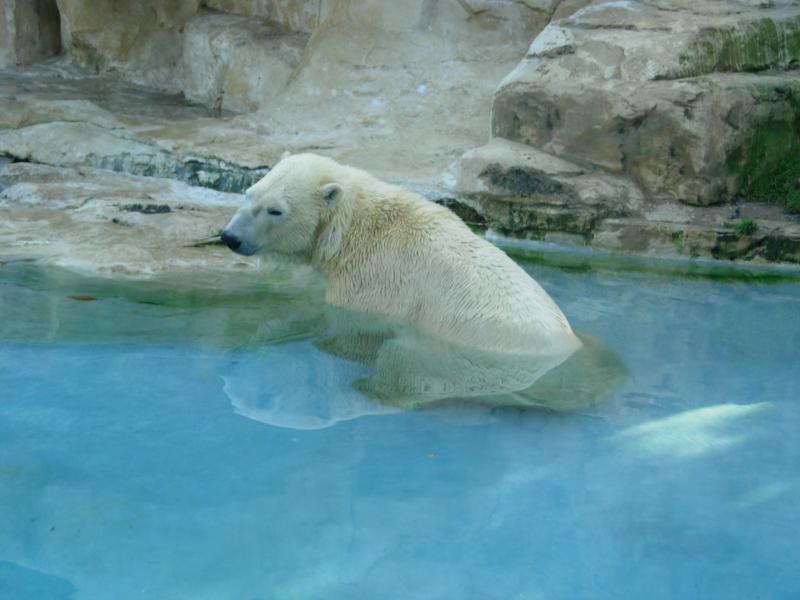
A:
[(386, 250)]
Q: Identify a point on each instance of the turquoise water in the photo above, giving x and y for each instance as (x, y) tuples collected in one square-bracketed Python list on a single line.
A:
[(191, 440)]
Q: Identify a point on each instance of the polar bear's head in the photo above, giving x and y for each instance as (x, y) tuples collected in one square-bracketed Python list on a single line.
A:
[(285, 210)]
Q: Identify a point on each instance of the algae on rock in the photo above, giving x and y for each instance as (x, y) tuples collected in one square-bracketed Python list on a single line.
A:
[(752, 46), (768, 162)]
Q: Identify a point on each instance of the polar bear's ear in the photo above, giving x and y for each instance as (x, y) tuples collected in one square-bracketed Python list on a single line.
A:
[(331, 192), (286, 154)]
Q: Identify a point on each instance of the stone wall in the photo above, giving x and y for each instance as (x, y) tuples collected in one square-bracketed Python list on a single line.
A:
[(695, 104), (290, 15), (670, 98), (224, 51), (685, 99), (29, 31), (236, 62), (393, 86), (605, 119), (140, 39)]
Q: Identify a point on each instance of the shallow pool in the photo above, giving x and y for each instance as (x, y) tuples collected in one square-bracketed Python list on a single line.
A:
[(189, 440)]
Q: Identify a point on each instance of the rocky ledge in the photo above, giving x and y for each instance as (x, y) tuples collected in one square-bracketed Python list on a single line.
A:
[(651, 126), (523, 192), (96, 221), (659, 127)]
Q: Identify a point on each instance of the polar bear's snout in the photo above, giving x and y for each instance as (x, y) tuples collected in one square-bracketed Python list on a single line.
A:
[(239, 233), (230, 240), (238, 244)]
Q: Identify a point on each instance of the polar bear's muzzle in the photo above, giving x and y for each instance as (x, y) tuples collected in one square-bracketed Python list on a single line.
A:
[(236, 244), (237, 234), (231, 241)]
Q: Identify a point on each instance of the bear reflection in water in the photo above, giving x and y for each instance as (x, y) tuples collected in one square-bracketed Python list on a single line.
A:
[(410, 368), (367, 365)]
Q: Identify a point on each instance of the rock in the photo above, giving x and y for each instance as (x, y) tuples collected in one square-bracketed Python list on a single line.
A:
[(517, 188), (84, 144), (655, 91), (368, 85), (236, 63), (687, 140), (147, 209), (621, 122), (123, 114), (29, 31), (244, 58), (567, 7), (290, 15), (776, 241), (141, 39), (82, 219)]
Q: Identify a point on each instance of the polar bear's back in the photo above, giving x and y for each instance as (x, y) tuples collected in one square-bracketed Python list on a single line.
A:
[(416, 260), (491, 300)]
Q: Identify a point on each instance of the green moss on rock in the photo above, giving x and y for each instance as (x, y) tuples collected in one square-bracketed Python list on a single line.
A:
[(678, 241), (767, 164), (755, 46), (746, 227)]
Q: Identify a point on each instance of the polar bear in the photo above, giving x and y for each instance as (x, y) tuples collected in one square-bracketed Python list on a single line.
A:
[(384, 250)]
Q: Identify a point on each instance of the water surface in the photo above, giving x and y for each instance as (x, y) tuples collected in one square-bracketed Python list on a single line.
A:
[(191, 440)]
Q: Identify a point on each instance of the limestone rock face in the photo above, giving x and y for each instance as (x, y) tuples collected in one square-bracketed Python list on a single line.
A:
[(371, 80), (631, 125), (518, 188), (170, 45), (29, 31), (141, 39), (86, 144), (628, 124), (320, 69), (674, 95), (472, 22), (240, 63), (96, 221), (291, 15)]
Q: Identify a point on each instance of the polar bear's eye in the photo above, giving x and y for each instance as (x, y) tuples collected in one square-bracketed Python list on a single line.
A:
[(274, 212)]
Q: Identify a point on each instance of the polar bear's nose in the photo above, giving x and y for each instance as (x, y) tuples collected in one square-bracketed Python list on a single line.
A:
[(231, 241)]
